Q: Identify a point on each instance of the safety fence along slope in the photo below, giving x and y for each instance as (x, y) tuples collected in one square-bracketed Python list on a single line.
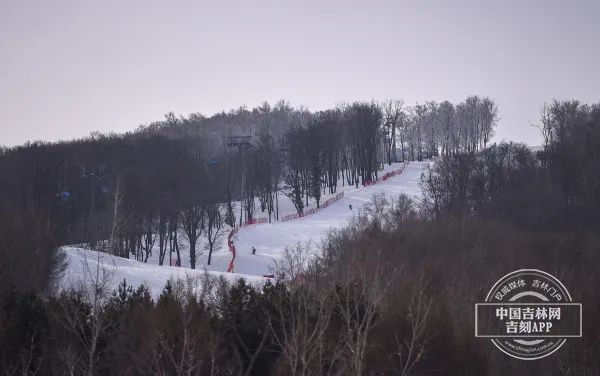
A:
[(325, 204), (386, 176), (330, 201)]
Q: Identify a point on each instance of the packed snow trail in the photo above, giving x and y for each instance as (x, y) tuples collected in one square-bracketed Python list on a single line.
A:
[(269, 239), (82, 264)]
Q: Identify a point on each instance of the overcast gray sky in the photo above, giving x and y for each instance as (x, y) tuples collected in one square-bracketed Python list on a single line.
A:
[(71, 67)]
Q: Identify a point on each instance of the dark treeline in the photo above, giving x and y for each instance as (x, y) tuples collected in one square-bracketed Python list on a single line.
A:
[(391, 294), (557, 188), (186, 179)]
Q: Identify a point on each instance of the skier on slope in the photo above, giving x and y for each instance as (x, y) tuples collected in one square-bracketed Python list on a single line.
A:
[(253, 250), (350, 206)]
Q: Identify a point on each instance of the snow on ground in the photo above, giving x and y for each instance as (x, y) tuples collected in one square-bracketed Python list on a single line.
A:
[(269, 239), (83, 271)]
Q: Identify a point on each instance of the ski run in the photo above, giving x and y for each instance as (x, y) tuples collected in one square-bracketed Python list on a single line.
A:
[(269, 239)]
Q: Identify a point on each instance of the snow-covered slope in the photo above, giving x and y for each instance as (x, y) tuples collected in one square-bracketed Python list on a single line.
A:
[(82, 269), (269, 239)]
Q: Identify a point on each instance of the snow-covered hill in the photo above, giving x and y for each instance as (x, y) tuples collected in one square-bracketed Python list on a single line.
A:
[(269, 239)]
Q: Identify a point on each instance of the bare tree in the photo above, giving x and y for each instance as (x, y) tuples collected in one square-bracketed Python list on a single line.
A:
[(192, 220), (301, 317), (117, 219), (392, 117), (488, 118), (148, 237), (365, 120), (447, 122), (215, 226), (358, 302), (293, 263), (545, 127), (89, 327), (184, 358), (300, 323), (410, 351)]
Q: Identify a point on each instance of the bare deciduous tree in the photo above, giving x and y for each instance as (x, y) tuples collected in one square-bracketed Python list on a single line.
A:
[(215, 226), (392, 117), (410, 351), (88, 327), (358, 301), (192, 220)]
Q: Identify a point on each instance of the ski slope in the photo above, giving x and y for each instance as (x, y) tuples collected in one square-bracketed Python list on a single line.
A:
[(269, 239)]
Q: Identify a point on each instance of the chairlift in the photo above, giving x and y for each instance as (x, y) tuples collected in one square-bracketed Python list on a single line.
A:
[(240, 141), (97, 172), (64, 195)]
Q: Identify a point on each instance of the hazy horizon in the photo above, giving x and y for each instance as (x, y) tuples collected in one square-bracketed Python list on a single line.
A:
[(70, 68)]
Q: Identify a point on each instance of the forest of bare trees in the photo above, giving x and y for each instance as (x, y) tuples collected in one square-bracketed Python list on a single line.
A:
[(392, 293), (185, 178)]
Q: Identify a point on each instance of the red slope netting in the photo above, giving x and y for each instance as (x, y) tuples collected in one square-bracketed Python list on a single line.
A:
[(326, 203), (255, 221), (385, 177), (231, 249), (339, 196)]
